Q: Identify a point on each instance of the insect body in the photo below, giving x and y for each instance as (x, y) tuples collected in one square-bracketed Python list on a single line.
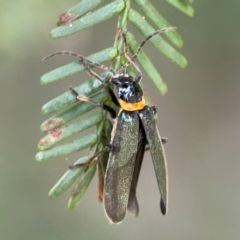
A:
[(135, 129)]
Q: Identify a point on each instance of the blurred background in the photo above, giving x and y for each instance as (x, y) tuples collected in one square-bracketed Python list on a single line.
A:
[(200, 115)]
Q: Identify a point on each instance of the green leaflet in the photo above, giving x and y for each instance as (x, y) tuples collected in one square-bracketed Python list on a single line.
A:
[(66, 99), (72, 112), (183, 6), (58, 134), (108, 129), (75, 67), (66, 149), (67, 179), (147, 65), (83, 7), (153, 14), (158, 42), (89, 20), (81, 187)]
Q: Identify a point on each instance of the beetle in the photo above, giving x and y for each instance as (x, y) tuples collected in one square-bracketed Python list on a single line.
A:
[(134, 130)]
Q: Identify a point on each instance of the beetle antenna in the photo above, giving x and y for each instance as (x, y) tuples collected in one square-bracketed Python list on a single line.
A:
[(82, 59), (127, 55), (92, 73)]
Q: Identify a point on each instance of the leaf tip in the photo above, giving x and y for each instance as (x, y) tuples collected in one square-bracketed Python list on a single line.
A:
[(39, 157), (43, 79), (72, 204), (163, 89), (50, 124), (52, 194), (185, 63), (42, 144)]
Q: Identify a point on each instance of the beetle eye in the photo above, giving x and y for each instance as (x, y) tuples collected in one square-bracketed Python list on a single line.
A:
[(116, 81)]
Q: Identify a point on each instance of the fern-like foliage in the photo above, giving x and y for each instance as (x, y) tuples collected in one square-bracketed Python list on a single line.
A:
[(66, 108)]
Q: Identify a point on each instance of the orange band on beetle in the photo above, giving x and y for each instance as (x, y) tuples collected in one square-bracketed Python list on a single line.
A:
[(132, 106)]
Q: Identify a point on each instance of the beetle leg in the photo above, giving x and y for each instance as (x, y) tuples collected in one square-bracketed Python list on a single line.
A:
[(101, 105), (92, 159)]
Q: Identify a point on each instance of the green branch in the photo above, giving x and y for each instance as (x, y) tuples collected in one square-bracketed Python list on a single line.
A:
[(67, 108)]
